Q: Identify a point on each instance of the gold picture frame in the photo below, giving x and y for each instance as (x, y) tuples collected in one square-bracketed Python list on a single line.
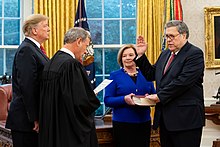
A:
[(212, 37)]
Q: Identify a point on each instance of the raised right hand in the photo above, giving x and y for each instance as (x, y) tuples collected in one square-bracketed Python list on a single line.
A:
[(141, 46)]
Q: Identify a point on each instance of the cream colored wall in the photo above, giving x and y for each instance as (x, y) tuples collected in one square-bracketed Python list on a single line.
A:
[(193, 15)]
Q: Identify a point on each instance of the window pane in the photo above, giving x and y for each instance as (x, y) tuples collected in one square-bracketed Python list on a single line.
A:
[(12, 8), (99, 79), (11, 32), (111, 22), (94, 8), (98, 61), (99, 111), (96, 31), (10, 53), (128, 31), (2, 62), (128, 8), (0, 8), (0, 32), (111, 63), (112, 8), (111, 32)]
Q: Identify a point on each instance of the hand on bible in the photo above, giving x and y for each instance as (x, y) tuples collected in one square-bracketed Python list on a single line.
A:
[(153, 97), (128, 99), (141, 46)]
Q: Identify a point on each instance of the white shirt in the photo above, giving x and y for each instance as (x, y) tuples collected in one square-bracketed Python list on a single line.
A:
[(68, 52)]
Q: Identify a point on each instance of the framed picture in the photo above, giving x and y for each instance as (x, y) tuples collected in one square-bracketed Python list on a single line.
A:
[(212, 37)]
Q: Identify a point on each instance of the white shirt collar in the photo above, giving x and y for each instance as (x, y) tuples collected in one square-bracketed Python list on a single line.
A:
[(35, 42), (176, 52), (68, 52)]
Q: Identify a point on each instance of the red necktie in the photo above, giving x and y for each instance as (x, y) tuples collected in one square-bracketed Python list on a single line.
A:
[(169, 62), (42, 49)]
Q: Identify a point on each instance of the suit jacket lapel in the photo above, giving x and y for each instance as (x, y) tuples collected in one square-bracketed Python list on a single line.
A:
[(38, 49), (178, 56), (171, 64)]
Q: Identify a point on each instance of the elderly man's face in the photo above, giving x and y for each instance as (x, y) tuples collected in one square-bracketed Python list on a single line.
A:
[(42, 31), (175, 40), (81, 50)]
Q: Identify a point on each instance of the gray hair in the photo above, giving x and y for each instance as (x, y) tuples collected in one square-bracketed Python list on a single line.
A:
[(74, 33), (180, 25), (31, 22)]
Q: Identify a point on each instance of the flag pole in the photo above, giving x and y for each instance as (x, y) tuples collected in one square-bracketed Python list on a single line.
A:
[(80, 13)]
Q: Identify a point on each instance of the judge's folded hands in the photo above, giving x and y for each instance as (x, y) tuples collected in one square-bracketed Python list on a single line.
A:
[(153, 97), (128, 99)]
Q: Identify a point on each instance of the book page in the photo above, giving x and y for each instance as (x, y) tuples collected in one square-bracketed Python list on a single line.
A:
[(102, 85)]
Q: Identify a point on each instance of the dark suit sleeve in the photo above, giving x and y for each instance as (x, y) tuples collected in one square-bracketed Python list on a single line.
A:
[(190, 76), (146, 68), (27, 78)]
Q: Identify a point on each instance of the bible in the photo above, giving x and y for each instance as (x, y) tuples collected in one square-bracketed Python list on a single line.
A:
[(143, 101)]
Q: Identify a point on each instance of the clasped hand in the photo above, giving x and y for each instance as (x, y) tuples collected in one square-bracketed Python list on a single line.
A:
[(128, 99), (153, 97)]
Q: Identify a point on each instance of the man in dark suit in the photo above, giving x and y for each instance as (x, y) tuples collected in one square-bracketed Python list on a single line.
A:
[(180, 103), (28, 64)]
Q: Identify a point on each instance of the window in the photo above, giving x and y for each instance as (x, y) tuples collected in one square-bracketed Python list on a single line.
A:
[(112, 23), (9, 33), (11, 16)]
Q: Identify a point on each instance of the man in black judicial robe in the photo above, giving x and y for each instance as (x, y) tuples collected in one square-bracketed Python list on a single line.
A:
[(68, 102)]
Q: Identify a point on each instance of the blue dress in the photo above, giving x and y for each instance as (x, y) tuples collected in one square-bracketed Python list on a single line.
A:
[(131, 124), (122, 85)]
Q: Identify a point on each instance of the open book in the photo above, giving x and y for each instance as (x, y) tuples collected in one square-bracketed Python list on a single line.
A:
[(143, 101)]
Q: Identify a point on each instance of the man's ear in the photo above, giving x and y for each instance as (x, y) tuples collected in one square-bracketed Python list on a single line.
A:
[(34, 31), (184, 35), (79, 41)]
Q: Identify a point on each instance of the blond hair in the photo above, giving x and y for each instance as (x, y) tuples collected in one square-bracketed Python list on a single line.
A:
[(32, 21), (121, 50)]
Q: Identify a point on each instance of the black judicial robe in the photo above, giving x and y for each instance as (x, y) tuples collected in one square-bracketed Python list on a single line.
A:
[(67, 105)]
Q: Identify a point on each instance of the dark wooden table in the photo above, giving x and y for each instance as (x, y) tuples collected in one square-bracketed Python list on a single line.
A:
[(212, 113)]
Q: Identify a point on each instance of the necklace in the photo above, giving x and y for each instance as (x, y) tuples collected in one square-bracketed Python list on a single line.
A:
[(132, 74)]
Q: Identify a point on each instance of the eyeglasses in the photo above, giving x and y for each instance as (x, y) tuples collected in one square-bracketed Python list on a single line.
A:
[(171, 37)]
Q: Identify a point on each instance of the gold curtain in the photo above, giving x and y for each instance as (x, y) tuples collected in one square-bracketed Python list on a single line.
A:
[(62, 16), (150, 22)]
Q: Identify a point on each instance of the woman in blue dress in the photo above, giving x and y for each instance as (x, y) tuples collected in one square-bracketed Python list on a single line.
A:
[(131, 123)]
